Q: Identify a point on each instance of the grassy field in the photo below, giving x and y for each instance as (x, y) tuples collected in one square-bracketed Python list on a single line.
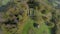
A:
[(43, 29)]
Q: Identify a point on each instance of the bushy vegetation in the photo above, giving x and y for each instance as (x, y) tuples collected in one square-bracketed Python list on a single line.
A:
[(20, 17)]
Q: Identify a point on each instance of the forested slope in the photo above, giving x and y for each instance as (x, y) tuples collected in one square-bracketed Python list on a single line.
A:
[(29, 17)]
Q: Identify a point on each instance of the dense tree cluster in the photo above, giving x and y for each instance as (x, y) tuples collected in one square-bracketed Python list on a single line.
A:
[(18, 13)]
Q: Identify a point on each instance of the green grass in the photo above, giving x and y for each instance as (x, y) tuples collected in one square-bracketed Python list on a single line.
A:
[(27, 26), (42, 30)]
